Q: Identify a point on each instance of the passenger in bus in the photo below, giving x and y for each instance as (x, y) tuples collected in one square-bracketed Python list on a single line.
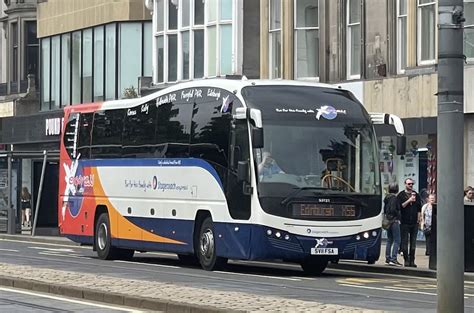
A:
[(268, 166), (410, 202), (469, 194), (426, 218)]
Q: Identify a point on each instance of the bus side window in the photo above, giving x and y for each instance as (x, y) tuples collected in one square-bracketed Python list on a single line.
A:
[(210, 132), (173, 130), (107, 134), (84, 135), (139, 131)]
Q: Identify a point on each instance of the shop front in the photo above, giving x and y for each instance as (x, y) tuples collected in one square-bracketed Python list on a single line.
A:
[(29, 171)]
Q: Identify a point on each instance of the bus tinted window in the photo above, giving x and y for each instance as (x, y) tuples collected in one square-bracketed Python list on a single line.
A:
[(84, 136), (139, 130), (173, 129), (210, 130), (70, 135), (107, 134)]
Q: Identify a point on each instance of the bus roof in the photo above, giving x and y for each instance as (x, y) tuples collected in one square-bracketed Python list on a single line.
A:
[(232, 85)]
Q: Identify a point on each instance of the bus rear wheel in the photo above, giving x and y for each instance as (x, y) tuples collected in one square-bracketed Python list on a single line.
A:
[(207, 247), (103, 241), (314, 266)]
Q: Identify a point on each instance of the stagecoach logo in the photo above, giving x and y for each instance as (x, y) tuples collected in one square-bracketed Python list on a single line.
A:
[(328, 112), (322, 243)]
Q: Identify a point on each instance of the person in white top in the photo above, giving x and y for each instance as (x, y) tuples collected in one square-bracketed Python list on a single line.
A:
[(469, 194), (426, 221)]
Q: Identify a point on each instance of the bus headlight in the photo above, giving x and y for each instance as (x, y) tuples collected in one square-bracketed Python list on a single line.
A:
[(269, 232), (358, 237), (374, 234), (287, 237), (366, 235), (277, 234)]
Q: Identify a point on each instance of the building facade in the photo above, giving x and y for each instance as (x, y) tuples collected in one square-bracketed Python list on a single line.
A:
[(386, 53)]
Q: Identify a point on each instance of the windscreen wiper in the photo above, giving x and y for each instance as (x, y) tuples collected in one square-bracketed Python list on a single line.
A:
[(297, 191)]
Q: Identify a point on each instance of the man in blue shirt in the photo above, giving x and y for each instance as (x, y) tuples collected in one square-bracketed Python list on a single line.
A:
[(268, 166)]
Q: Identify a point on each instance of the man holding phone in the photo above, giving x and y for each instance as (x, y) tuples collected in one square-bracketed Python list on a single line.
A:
[(410, 202)]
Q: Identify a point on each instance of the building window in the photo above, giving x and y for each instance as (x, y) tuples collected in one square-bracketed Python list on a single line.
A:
[(110, 52), (32, 46), (353, 39), (66, 69), (401, 35), (45, 73), (14, 41), (275, 39), (426, 25), (469, 30), (99, 52), (94, 64), (130, 44), (55, 71), (306, 39), (193, 39)]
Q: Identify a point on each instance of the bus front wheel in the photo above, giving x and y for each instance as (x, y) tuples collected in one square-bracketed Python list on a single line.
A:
[(207, 247), (103, 241), (314, 266)]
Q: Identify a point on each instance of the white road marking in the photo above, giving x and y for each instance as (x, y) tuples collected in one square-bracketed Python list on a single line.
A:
[(261, 276), (47, 243), (9, 250), (148, 264), (84, 302), (76, 256), (53, 249)]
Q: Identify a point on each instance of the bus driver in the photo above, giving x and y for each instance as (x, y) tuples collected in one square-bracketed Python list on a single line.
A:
[(268, 166)]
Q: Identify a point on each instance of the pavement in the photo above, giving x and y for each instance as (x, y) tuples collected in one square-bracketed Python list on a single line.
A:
[(174, 298)]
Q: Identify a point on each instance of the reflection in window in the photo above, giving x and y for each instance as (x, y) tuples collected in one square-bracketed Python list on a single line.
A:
[(14, 40), (160, 57), (110, 62), (45, 74), (211, 10), (66, 69), (130, 55), (226, 10), (55, 71), (198, 12), (160, 15), (172, 14), (469, 29), (99, 63), (185, 18), (307, 39), (87, 66), (76, 67)]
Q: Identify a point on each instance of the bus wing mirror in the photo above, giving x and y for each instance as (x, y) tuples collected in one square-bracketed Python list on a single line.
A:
[(401, 145), (240, 114), (388, 119), (257, 137), (243, 170)]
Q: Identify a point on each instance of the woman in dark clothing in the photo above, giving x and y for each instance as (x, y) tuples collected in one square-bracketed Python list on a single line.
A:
[(392, 212)]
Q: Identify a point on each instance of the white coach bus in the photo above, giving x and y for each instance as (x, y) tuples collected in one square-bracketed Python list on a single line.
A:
[(222, 169)]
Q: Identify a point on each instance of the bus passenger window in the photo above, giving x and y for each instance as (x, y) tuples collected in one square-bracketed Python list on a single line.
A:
[(107, 134)]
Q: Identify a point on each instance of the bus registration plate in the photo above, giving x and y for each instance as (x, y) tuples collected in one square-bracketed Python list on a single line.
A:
[(324, 251)]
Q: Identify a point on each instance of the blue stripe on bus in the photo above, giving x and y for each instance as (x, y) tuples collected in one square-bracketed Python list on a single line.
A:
[(190, 162)]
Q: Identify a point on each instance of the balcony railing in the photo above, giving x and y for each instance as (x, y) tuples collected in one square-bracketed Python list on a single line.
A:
[(13, 88)]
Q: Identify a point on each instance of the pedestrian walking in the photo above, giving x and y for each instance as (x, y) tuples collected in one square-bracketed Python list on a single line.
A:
[(426, 221), (25, 199), (392, 213), (410, 206)]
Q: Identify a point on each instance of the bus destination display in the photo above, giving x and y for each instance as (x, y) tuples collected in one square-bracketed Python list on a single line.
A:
[(309, 210)]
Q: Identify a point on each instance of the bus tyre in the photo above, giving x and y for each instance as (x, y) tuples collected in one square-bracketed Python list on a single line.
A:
[(103, 240), (207, 247), (314, 266)]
